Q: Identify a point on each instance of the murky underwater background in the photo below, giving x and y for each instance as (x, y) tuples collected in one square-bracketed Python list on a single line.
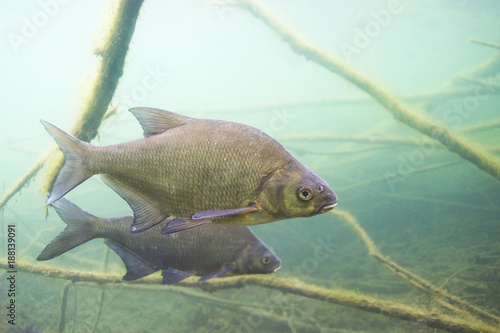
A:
[(424, 207)]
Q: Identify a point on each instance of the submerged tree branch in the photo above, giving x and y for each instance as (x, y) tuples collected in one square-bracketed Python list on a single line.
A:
[(403, 273), (112, 57), (112, 61), (292, 286), (23, 182), (401, 112)]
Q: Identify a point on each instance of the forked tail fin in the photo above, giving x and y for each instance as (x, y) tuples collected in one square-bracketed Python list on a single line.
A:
[(78, 231), (73, 171)]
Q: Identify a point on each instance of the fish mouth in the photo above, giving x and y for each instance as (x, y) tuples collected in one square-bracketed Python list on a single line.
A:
[(277, 268), (325, 208)]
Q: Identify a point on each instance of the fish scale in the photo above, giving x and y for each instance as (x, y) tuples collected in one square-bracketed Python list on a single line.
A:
[(192, 171), (204, 251), (204, 190)]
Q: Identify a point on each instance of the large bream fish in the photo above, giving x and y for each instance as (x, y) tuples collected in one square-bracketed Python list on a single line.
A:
[(208, 251), (189, 171)]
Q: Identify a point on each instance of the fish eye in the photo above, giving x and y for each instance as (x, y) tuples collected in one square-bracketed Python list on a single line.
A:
[(266, 260), (305, 193)]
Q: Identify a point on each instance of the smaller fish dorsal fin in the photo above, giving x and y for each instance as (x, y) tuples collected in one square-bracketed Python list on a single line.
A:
[(156, 121)]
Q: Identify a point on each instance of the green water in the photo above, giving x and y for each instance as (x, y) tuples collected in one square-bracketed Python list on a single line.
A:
[(424, 207)]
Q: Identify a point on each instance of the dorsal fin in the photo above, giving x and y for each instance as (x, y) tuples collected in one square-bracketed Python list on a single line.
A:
[(156, 121)]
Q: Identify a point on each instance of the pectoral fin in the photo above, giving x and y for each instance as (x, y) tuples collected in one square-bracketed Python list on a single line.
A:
[(136, 266), (211, 276), (145, 215), (183, 223), (171, 276), (209, 214)]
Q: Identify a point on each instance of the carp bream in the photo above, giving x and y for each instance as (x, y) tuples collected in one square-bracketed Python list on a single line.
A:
[(189, 171), (208, 251)]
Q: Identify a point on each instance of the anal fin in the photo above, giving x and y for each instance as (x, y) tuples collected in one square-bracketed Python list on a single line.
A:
[(145, 214), (136, 266), (171, 275)]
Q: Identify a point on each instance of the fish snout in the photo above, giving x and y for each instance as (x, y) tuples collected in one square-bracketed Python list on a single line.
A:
[(330, 203), (277, 265)]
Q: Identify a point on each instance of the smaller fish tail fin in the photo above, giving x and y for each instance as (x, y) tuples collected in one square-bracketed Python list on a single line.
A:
[(72, 172), (78, 231)]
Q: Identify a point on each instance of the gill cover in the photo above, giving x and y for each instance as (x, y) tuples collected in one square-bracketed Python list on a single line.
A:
[(295, 191)]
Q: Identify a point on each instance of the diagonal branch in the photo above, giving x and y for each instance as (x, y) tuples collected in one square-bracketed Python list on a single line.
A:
[(413, 279), (401, 112)]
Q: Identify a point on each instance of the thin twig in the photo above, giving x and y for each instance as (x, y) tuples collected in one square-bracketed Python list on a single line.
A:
[(358, 139), (482, 127), (331, 104), (62, 316), (23, 182), (494, 45), (98, 316)]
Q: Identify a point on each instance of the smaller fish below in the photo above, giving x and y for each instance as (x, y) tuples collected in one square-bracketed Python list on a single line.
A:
[(209, 251)]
